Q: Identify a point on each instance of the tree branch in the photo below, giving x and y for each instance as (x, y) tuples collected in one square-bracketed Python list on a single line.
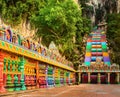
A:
[(53, 32)]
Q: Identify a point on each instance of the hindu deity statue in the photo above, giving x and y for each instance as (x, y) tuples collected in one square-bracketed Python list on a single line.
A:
[(99, 63)]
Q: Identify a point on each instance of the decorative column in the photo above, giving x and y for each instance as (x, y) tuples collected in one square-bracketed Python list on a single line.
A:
[(5, 69), (2, 89), (118, 77), (64, 77), (22, 81), (108, 78), (79, 78), (99, 78), (37, 74), (89, 80), (54, 74)]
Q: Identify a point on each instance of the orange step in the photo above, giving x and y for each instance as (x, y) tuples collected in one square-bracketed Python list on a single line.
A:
[(88, 54), (105, 54)]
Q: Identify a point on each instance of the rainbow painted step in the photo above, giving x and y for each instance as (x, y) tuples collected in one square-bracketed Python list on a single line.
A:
[(96, 47)]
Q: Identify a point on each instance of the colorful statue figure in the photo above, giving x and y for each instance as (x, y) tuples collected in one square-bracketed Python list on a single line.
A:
[(25, 43), (43, 51), (28, 44), (2, 33), (14, 38), (98, 61), (33, 46), (39, 49), (98, 64), (8, 34), (18, 39)]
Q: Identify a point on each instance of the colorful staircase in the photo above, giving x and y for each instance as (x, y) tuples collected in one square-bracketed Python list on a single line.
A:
[(96, 48)]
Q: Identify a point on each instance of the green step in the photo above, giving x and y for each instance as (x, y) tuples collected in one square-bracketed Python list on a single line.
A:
[(107, 63), (104, 46), (94, 50), (99, 50), (88, 47), (87, 63)]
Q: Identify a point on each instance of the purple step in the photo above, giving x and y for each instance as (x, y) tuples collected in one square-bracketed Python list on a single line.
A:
[(106, 59), (87, 59)]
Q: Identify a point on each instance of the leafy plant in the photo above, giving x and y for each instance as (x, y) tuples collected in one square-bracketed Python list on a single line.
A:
[(60, 21), (113, 34)]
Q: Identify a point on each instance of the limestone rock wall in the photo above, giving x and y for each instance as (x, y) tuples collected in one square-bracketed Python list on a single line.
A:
[(23, 29), (118, 6), (108, 6)]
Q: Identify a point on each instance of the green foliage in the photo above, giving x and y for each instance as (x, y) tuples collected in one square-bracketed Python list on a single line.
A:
[(113, 35), (87, 10), (56, 22), (60, 21), (14, 11)]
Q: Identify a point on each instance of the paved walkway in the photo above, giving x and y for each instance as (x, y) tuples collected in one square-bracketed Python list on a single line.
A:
[(83, 90)]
